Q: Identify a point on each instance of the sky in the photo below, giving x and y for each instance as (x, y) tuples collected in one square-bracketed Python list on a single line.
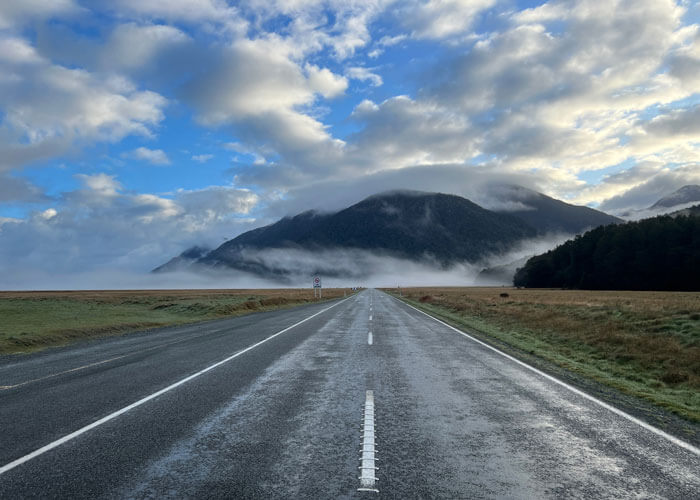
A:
[(131, 130)]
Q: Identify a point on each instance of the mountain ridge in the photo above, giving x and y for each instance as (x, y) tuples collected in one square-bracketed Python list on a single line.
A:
[(438, 229)]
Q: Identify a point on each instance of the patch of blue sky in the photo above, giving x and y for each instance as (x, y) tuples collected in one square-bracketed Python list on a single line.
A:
[(482, 159), (692, 14), (15, 211), (57, 179), (185, 144), (400, 67), (655, 110), (593, 177)]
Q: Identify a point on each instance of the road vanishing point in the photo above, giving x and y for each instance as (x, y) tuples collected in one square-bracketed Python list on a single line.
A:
[(359, 398)]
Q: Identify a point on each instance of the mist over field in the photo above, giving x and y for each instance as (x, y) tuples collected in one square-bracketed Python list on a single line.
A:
[(295, 268)]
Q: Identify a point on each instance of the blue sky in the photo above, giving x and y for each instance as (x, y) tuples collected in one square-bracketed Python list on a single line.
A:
[(132, 129)]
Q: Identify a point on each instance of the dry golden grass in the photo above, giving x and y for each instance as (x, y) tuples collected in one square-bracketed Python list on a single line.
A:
[(644, 342), (34, 320)]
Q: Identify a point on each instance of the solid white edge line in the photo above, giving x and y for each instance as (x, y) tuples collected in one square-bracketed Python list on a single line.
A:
[(117, 413), (641, 423)]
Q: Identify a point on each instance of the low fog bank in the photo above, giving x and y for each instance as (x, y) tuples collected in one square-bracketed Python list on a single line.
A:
[(295, 268), (499, 269), (654, 212), (120, 280)]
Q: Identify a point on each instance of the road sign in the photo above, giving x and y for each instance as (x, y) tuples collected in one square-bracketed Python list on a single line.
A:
[(317, 282)]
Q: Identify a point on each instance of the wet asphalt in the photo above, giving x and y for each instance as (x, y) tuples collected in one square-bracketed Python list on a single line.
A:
[(453, 419)]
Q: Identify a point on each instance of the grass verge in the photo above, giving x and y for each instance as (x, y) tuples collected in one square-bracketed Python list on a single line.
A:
[(643, 344), (35, 320)]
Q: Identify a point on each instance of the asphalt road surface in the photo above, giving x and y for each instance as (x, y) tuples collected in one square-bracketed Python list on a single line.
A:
[(250, 408)]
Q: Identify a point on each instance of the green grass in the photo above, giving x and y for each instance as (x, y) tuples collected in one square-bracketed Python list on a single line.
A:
[(650, 353), (34, 321)]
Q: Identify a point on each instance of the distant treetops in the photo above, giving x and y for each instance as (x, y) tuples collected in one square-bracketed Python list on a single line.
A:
[(661, 253)]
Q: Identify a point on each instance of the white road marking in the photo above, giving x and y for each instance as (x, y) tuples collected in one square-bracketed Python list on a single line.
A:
[(367, 469), (370, 317), (117, 413), (573, 389), (369, 338)]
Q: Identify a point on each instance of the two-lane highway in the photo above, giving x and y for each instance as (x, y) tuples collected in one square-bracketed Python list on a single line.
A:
[(332, 400)]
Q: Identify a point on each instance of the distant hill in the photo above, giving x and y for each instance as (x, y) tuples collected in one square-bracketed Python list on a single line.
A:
[(409, 225), (438, 230), (548, 215), (686, 194), (661, 253)]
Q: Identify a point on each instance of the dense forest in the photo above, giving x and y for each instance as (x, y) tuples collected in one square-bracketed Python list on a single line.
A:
[(662, 253)]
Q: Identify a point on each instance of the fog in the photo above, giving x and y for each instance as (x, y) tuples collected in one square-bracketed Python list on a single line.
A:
[(119, 280), (654, 212), (293, 268)]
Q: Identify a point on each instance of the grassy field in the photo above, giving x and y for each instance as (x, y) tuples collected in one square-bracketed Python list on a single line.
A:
[(646, 344), (30, 321)]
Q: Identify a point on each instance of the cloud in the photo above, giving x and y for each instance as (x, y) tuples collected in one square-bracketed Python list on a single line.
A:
[(684, 122), (202, 158), (441, 18), (402, 132), (15, 12), (102, 225), (47, 109), (364, 74), (187, 11), (132, 46), (14, 189), (325, 82), (153, 156), (642, 186)]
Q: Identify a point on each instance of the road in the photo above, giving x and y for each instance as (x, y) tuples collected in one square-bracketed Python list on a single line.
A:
[(251, 408)]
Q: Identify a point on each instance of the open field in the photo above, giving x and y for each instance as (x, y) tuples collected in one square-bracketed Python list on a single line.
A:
[(646, 344), (34, 320)]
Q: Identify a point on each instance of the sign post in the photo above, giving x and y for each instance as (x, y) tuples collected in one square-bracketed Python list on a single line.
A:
[(317, 285)]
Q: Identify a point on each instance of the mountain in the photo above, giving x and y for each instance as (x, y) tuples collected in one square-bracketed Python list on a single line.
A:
[(548, 215), (185, 259), (435, 230), (410, 225), (661, 253), (686, 194)]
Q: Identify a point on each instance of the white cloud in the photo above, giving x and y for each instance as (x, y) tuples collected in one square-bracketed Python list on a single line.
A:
[(251, 78), (326, 83), (101, 225), (441, 18), (47, 108), (364, 74), (153, 156)]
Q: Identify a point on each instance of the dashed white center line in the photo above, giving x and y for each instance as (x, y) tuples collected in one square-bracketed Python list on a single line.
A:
[(369, 338), (367, 469), (370, 317)]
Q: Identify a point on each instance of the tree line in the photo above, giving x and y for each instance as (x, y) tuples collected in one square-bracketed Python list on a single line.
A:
[(661, 253)]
